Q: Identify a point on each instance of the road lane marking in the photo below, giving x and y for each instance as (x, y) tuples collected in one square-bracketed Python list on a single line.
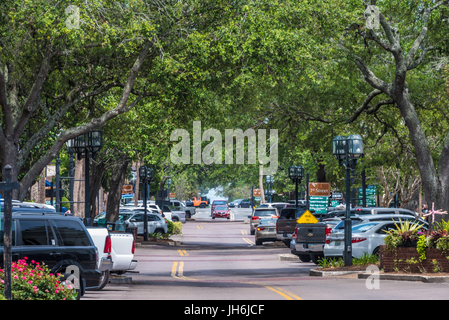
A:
[(177, 272), (199, 226), (232, 217), (183, 253), (288, 293), (248, 241), (173, 269)]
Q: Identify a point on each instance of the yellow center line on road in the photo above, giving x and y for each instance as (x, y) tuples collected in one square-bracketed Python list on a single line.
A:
[(183, 253), (177, 272), (287, 295), (199, 226), (248, 241), (244, 232)]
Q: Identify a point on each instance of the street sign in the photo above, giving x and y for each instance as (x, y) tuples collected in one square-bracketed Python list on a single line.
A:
[(322, 189), (334, 203), (319, 204), (371, 194), (127, 188), (127, 196), (307, 217), (257, 198), (256, 193), (172, 195)]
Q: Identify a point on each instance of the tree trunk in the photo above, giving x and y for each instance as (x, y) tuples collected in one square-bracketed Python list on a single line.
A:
[(115, 193)]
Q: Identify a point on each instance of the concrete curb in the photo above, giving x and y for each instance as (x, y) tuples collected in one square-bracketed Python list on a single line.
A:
[(120, 280), (319, 273), (288, 257), (145, 244), (407, 277)]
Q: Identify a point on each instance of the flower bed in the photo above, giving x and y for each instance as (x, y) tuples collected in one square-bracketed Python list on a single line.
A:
[(34, 281)]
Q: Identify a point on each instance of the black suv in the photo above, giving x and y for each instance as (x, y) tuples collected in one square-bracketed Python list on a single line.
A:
[(62, 243)]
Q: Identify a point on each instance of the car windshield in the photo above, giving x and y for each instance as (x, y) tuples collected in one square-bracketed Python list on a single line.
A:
[(364, 227), (221, 208), (124, 216), (219, 202), (264, 213)]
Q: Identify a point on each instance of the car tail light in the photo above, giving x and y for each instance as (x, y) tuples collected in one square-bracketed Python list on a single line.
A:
[(274, 217), (107, 245), (328, 240), (259, 229), (254, 218), (295, 234), (133, 247), (358, 239), (327, 231)]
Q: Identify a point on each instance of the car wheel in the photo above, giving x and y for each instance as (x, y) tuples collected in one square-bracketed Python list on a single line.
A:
[(258, 242), (253, 232), (103, 280), (304, 257), (174, 219), (202, 206), (376, 252)]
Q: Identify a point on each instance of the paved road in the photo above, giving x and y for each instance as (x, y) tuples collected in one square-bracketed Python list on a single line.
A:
[(218, 261)]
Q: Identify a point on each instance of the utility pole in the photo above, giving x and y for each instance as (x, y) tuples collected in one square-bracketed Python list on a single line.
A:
[(262, 193)]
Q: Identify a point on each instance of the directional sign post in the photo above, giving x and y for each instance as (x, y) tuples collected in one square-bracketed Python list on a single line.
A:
[(8, 186), (319, 196)]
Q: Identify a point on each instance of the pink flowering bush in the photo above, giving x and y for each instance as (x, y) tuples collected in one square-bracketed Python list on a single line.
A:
[(33, 281)]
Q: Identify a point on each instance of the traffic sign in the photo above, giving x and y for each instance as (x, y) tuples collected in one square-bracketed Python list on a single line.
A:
[(322, 189), (319, 204), (307, 217), (371, 192), (256, 193)]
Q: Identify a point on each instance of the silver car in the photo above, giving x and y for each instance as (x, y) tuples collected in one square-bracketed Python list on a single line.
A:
[(156, 224), (261, 213), (366, 238), (265, 231)]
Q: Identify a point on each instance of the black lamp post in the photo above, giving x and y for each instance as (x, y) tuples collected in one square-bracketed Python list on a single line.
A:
[(145, 175), (89, 144), (296, 173), (347, 150)]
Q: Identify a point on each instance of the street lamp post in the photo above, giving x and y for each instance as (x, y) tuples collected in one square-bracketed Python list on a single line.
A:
[(145, 175), (296, 173), (347, 150), (89, 144)]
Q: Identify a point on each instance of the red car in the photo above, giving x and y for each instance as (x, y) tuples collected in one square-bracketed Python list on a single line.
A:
[(221, 212)]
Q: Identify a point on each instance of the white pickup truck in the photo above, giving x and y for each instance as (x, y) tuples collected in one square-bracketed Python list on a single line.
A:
[(115, 250)]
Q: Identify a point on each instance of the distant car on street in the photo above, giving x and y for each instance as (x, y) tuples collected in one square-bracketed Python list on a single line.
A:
[(221, 212)]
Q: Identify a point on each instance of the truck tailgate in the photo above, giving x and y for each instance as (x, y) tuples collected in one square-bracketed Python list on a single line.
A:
[(285, 226), (311, 233), (122, 256)]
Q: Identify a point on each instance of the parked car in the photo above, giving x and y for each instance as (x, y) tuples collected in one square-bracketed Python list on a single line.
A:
[(61, 242), (221, 212), (18, 206), (188, 208), (379, 210), (115, 250), (265, 231), (245, 204), (174, 215), (217, 203), (156, 224), (235, 203), (366, 238), (261, 213)]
